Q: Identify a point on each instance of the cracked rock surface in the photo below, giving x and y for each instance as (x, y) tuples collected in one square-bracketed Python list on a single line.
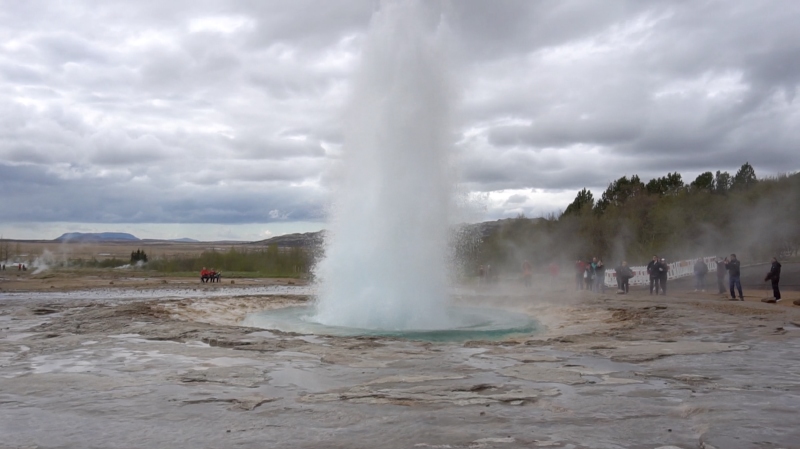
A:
[(120, 370)]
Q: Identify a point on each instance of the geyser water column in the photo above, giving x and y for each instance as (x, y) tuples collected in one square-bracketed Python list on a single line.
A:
[(386, 259)]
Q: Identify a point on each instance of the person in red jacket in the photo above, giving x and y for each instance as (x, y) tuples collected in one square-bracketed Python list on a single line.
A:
[(204, 275)]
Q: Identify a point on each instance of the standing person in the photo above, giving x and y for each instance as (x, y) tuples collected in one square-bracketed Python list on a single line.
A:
[(588, 276), (600, 277), (663, 270), (592, 274), (617, 271), (624, 275), (700, 270), (580, 272), (652, 271), (527, 273), (734, 276), (721, 274), (774, 275)]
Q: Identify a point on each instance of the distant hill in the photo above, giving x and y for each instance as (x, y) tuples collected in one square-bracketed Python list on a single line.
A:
[(185, 240), (304, 240), (309, 239), (97, 237)]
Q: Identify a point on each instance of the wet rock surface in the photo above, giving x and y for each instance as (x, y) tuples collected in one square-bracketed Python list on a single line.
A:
[(609, 371)]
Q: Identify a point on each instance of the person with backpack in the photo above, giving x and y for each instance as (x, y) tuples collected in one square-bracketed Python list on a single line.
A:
[(700, 270), (624, 275)]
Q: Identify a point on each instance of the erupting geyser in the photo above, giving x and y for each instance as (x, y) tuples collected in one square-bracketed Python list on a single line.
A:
[(386, 263)]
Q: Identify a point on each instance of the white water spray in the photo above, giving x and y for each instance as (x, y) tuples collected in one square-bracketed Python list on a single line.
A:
[(386, 264)]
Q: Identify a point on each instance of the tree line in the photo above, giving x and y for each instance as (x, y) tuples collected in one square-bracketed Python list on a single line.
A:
[(270, 261), (716, 213)]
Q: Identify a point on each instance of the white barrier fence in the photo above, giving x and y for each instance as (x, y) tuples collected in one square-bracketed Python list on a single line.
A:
[(679, 269)]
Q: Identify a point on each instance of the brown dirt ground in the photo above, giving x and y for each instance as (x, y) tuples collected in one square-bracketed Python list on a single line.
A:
[(13, 281)]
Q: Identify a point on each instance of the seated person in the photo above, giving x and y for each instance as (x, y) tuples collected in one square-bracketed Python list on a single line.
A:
[(205, 275), (213, 275)]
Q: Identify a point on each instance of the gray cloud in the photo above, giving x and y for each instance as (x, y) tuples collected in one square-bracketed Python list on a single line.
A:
[(220, 112)]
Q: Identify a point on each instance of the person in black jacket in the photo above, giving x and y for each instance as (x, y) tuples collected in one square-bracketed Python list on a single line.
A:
[(651, 270), (734, 276), (700, 270), (600, 277), (774, 275)]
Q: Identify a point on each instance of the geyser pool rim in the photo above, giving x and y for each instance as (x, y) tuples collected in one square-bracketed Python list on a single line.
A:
[(479, 323)]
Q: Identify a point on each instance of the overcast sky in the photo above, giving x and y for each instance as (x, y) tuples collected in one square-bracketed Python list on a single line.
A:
[(219, 119)]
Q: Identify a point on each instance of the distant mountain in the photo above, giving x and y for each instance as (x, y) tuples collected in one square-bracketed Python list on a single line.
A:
[(487, 228), (310, 239), (97, 237), (185, 240)]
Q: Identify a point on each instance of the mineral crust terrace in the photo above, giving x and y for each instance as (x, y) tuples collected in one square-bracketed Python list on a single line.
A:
[(111, 368)]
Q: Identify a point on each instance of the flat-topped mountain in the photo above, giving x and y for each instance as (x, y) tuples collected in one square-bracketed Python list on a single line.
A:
[(97, 237)]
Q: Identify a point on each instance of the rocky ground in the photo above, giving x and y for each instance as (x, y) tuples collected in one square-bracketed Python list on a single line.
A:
[(150, 364)]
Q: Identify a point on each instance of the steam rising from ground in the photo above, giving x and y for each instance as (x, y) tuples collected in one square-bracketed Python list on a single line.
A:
[(386, 263), (46, 261)]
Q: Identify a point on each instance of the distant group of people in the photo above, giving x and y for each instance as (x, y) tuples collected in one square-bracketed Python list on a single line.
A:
[(732, 266), (658, 270), (487, 274), (590, 275), (20, 267), (209, 275)]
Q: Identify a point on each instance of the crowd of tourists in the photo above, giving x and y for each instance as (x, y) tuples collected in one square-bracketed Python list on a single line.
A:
[(20, 267), (590, 275)]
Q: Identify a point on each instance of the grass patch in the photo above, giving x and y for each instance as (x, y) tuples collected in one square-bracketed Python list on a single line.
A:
[(233, 275)]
